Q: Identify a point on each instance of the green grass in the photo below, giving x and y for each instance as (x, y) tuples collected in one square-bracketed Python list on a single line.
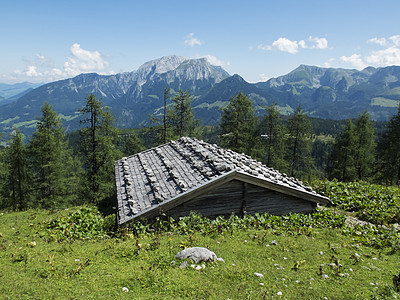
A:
[(7, 121), (69, 118), (314, 257), (28, 124), (221, 104), (384, 102), (393, 92)]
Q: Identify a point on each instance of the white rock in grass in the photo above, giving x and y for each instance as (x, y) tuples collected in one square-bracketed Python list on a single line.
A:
[(197, 254), (125, 289)]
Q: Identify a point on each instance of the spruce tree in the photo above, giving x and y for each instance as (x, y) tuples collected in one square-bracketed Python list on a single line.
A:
[(181, 115), (238, 124), (97, 144), (389, 151), (132, 144), (48, 154), (341, 160), (166, 96), (364, 146), (18, 176), (4, 167), (299, 144), (272, 138)]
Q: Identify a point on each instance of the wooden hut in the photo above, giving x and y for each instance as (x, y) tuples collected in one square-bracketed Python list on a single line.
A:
[(191, 175)]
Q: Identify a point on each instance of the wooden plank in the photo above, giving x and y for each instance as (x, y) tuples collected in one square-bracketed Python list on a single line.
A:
[(282, 189)]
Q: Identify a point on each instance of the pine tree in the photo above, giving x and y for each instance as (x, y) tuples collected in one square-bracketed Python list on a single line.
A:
[(341, 159), (97, 144), (18, 177), (181, 115), (272, 136), (132, 144), (299, 144), (4, 167), (238, 124), (166, 96), (389, 151), (48, 154), (364, 146)]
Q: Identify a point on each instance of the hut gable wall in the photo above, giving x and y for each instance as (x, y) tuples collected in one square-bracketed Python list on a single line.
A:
[(242, 198)]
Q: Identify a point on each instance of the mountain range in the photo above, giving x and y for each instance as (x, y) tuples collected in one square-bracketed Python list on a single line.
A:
[(322, 92)]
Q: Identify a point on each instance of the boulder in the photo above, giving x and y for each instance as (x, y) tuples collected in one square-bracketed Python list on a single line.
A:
[(197, 254)]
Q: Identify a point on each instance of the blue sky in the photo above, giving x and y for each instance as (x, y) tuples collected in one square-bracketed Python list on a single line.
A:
[(43, 41)]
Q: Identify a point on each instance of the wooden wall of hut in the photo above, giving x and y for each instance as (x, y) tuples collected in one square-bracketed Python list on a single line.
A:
[(242, 198)]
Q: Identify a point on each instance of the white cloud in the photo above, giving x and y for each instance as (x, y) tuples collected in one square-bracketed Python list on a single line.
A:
[(192, 41), (31, 71), (354, 60), (396, 40), (264, 77), (293, 47), (286, 45), (388, 56), (214, 60), (43, 69), (83, 61), (379, 41), (320, 43)]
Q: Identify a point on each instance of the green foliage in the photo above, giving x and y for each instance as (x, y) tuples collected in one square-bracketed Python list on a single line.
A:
[(18, 177), (84, 223), (97, 145), (353, 155), (389, 151), (131, 144), (4, 173), (180, 116), (48, 154), (299, 144), (364, 146), (238, 124), (369, 202), (272, 134), (342, 156)]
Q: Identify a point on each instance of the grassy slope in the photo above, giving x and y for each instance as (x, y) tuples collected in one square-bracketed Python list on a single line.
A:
[(101, 268)]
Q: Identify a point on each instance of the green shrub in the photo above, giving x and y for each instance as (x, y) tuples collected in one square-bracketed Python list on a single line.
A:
[(85, 223)]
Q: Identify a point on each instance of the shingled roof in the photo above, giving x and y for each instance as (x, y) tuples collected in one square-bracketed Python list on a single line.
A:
[(160, 178)]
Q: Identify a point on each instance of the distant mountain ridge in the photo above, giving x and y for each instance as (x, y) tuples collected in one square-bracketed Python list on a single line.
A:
[(12, 92), (323, 92)]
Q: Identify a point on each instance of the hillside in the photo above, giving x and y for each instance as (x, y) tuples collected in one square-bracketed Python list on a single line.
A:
[(76, 253), (329, 93)]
